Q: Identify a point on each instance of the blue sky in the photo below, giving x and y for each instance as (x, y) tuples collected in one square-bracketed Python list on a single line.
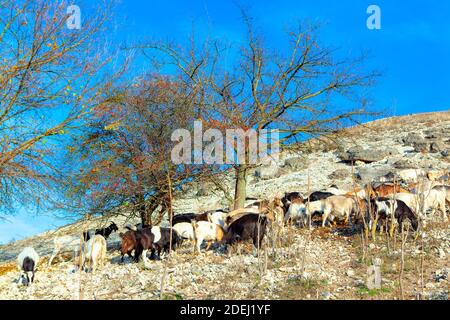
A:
[(412, 49)]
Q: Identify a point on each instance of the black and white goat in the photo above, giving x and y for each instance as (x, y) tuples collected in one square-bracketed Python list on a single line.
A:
[(27, 262), (105, 232), (162, 240), (387, 208), (156, 239)]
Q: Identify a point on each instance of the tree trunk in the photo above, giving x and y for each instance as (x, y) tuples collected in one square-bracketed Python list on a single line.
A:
[(240, 192), (145, 214)]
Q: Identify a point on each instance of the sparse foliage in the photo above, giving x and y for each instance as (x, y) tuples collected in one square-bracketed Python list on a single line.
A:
[(50, 80)]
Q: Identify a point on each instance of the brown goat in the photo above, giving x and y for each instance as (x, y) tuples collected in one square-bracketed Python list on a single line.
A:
[(387, 189), (362, 193), (128, 244)]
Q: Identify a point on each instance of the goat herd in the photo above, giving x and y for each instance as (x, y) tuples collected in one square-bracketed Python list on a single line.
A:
[(385, 204)]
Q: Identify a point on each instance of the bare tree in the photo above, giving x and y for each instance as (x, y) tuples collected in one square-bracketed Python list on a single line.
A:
[(301, 89), (50, 79)]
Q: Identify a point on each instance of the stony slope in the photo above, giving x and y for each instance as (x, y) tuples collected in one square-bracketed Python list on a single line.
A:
[(300, 268)]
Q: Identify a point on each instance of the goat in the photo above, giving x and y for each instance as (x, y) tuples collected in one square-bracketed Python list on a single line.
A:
[(319, 195), (299, 211), (295, 211), (433, 200), (341, 206), (65, 244), (264, 206), (436, 200), (386, 208), (202, 216), (386, 189), (128, 244), (207, 231), (445, 190), (185, 230), (105, 232), (27, 262), (335, 190), (145, 239), (95, 252), (183, 217), (160, 241), (219, 218), (250, 226), (362, 193), (275, 211), (238, 213), (289, 197), (162, 238)]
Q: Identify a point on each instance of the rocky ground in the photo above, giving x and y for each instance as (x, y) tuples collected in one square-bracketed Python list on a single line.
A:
[(320, 263)]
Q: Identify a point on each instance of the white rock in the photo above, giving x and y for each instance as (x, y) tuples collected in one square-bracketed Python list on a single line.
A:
[(350, 273)]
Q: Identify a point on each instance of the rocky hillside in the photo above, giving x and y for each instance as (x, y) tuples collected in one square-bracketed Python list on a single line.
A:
[(298, 266)]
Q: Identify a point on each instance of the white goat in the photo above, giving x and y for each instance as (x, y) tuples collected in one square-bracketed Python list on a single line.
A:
[(302, 211), (445, 190), (208, 231), (27, 262), (432, 200), (296, 212), (95, 252), (219, 218), (186, 231), (65, 244), (337, 206), (435, 200), (411, 175)]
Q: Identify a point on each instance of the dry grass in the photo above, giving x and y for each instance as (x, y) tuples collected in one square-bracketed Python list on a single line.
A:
[(299, 288), (7, 268)]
